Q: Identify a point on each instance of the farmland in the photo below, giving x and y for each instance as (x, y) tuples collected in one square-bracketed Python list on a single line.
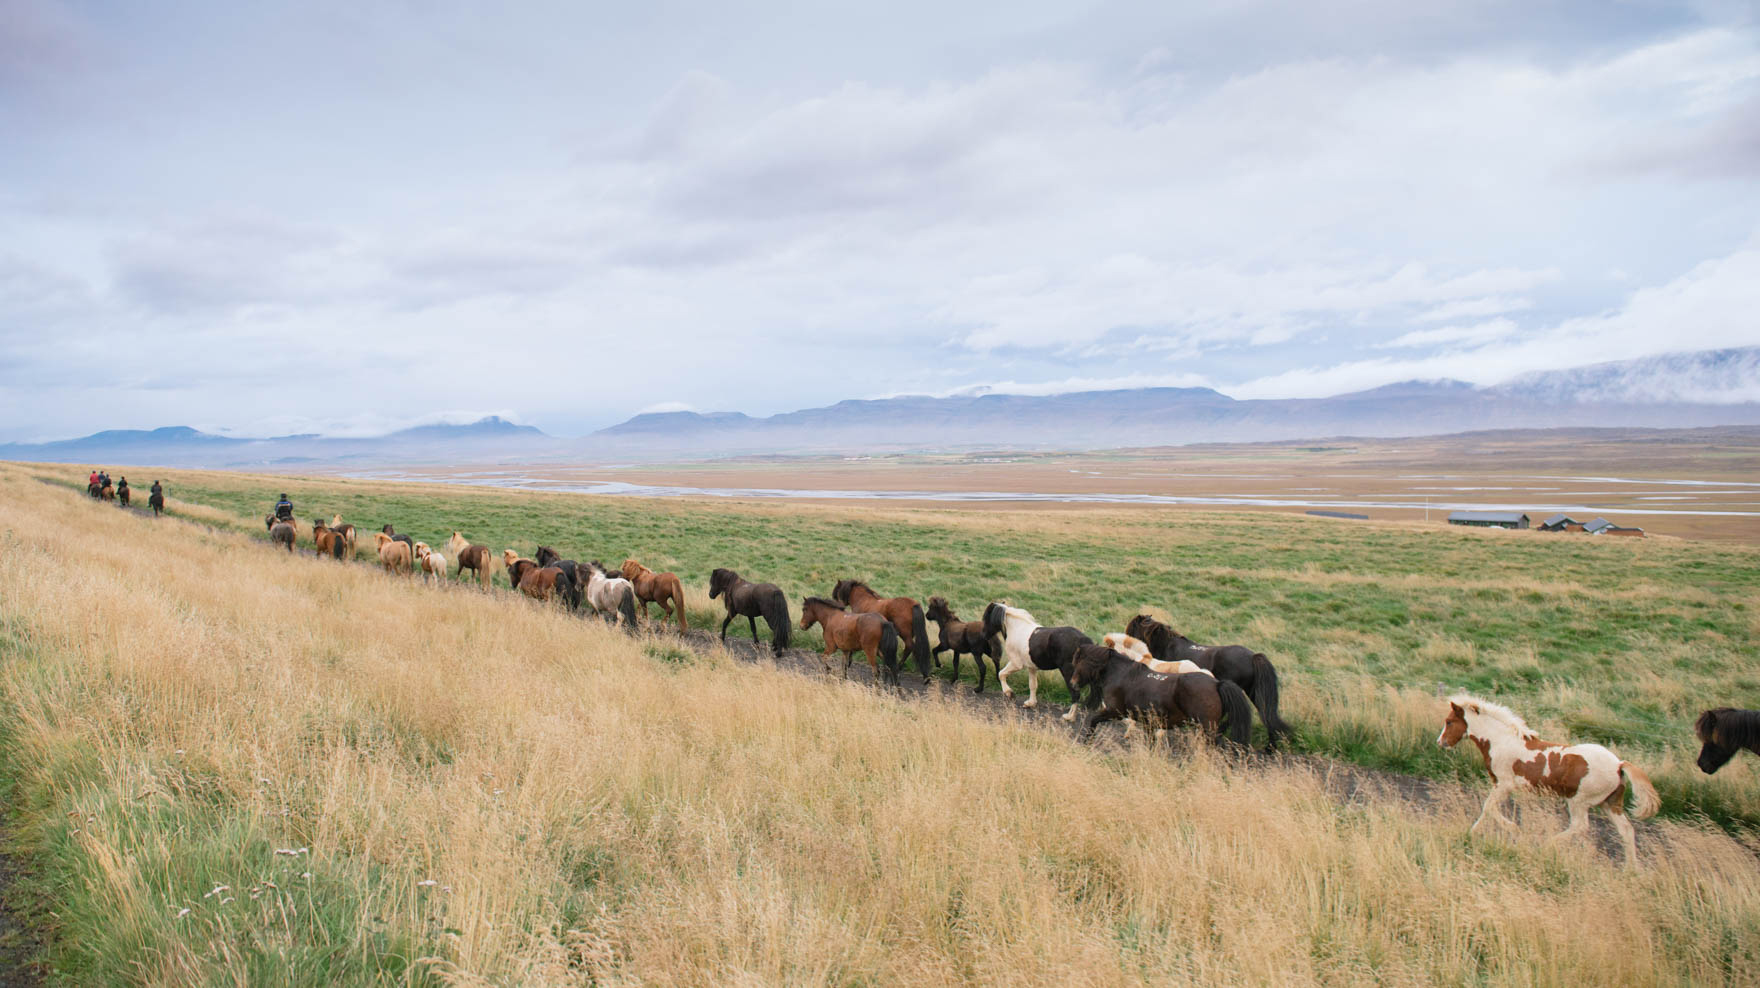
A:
[(604, 805)]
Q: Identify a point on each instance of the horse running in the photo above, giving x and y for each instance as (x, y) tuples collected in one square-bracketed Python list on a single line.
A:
[(576, 578), (1138, 649), (961, 637), (905, 614), (393, 555), (1034, 649), (1249, 670), (1586, 775), (328, 541), (475, 558), (1723, 732), (664, 589), (1159, 701), (869, 633), (611, 595), (751, 601), (544, 582)]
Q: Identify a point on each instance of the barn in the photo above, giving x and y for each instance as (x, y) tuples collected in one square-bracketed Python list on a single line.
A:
[(1489, 519), (1601, 526), (1561, 523)]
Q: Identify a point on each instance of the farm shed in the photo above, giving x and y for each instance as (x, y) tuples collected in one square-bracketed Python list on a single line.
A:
[(1489, 519), (1561, 523), (1601, 526)]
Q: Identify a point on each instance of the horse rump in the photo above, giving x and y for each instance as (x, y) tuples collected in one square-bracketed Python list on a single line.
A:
[(1265, 698), (1237, 711), (920, 631), (626, 608), (156, 502), (774, 608), (889, 649)]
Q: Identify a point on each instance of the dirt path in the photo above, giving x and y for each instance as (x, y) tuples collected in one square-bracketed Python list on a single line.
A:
[(20, 933)]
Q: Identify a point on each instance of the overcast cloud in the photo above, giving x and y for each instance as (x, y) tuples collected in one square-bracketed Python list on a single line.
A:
[(347, 218)]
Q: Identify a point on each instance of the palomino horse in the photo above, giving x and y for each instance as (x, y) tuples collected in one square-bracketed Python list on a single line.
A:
[(347, 530), (1127, 688), (960, 636), (1725, 731), (1586, 775), (1035, 650), (1138, 649), (577, 577), (751, 601), (476, 558), (328, 541), (433, 565), (393, 555), (656, 588), (611, 595), (870, 634), (905, 614), (1249, 670)]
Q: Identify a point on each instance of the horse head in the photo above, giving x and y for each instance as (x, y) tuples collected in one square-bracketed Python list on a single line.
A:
[(1090, 662), (1454, 727), (720, 581), (632, 569), (841, 592), (1718, 748), (546, 555), (938, 611)]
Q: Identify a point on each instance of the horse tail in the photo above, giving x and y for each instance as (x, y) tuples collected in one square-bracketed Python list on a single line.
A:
[(775, 609), (1265, 697), (920, 632), (677, 592), (889, 647), (1645, 801), (1238, 711), (626, 607), (338, 547)]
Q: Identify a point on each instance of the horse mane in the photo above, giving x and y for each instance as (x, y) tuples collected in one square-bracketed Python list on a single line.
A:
[(810, 601), (1729, 727), (1496, 711)]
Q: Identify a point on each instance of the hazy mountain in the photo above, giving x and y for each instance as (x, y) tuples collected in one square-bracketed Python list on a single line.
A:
[(1715, 387)]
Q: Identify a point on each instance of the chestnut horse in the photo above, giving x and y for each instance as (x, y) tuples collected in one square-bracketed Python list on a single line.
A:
[(540, 582), (577, 577), (656, 588), (516, 567), (961, 636), (751, 601), (328, 541), (475, 558), (870, 634), (905, 614), (1249, 670)]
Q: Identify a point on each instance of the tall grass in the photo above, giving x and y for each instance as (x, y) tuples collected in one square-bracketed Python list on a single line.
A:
[(476, 789)]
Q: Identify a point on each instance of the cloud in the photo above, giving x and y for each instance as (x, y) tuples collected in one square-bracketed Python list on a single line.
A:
[(1484, 332)]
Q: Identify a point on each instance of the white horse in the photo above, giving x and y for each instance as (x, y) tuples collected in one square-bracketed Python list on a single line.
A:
[(1034, 649), (432, 563), (1586, 775), (611, 595), (1136, 648)]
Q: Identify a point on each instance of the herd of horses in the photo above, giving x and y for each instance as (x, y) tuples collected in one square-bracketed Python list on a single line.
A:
[(1148, 674)]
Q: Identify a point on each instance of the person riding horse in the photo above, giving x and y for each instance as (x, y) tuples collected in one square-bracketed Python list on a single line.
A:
[(92, 484), (122, 490), (284, 508)]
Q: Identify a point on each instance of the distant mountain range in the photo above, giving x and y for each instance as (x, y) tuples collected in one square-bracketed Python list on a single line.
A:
[(1705, 388)]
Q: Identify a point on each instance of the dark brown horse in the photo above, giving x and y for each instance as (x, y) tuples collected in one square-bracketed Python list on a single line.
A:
[(156, 501), (475, 558), (122, 493), (870, 634), (516, 566), (664, 589), (1238, 664), (1158, 701), (282, 533), (547, 556), (961, 636), (1723, 732), (905, 614), (751, 601)]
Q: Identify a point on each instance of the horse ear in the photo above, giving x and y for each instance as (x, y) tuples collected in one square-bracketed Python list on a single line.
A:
[(1454, 709)]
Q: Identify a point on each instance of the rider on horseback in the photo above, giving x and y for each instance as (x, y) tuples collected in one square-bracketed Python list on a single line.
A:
[(284, 508)]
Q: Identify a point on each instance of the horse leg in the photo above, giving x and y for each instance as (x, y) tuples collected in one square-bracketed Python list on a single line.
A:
[(724, 625), (1094, 720), (1032, 687), (1578, 807), (1075, 696), (1624, 826), (754, 623), (1490, 808)]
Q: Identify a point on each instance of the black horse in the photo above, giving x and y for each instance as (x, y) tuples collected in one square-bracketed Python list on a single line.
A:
[(1238, 664), (751, 601), (1045, 649), (1726, 731), (961, 637), (1158, 701), (572, 594)]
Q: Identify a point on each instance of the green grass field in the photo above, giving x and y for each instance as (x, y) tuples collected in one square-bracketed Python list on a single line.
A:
[(1617, 641)]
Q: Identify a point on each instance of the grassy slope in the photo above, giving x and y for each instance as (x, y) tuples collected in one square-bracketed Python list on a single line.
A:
[(1618, 641), (181, 703)]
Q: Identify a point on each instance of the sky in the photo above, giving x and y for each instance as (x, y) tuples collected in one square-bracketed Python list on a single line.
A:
[(271, 218)]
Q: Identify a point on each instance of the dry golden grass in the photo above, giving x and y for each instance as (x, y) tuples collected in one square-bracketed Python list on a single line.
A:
[(589, 810)]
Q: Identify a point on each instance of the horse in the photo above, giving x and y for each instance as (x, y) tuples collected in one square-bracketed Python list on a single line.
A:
[(905, 614), (327, 541), (393, 555), (122, 495), (1157, 700), (156, 501), (1586, 775), (107, 492), (1725, 731), (848, 633), (1138, 649), (406, 540), (433, 565), (961, 636), (542, 582), (1035, 649), (282, 533), (664, 589), (751, 601), (516, 567), (611, 595), (1249, 670), (576, 579), (347, 530), (475, 558)]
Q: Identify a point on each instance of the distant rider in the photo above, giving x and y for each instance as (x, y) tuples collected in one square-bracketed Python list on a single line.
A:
[(122, 487), (156, 490), (284, 508)]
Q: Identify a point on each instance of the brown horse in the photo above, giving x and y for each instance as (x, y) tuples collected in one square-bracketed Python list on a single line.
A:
[(905, 614), (1244, 667), (751, 601), (475, 558), (517, 567), (1156, 700), (848, 633), (288, 532), (961, 636), (347, 530), (657, 588), (107, 492), (329, 542), (393, 555), (540, 582)]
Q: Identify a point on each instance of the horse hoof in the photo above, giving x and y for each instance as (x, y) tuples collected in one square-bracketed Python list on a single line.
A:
[(1030, 703)]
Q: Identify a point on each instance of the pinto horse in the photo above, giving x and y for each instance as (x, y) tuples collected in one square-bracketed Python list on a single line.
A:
[(1138, 649), (905, 614), (868, 633), (1157, 700), (1586, 775), (751, 601), (1249, 670), (1723, 732), (961, 636), (577, 580), (1035, 649), (664, 589), (433, 565), (395, 556), (475, 558), (611, 594)]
